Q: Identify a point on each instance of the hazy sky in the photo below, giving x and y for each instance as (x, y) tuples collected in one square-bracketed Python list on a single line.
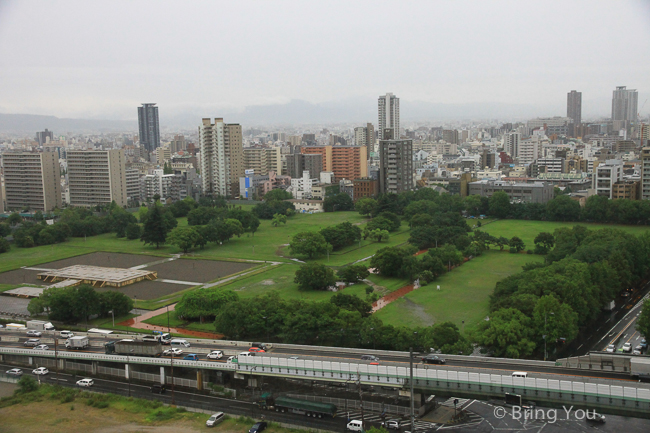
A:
[(94, 59)]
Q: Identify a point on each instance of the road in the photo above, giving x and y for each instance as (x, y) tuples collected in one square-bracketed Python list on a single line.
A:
[(624, 331)]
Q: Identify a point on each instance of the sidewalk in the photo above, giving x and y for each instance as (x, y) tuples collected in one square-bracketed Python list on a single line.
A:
[(138, 323)]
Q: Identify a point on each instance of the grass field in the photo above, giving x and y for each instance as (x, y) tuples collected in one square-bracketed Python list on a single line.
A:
[(528, 230), (463, 293)]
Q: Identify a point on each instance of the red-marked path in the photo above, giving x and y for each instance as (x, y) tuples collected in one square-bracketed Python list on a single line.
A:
[(137, 322)]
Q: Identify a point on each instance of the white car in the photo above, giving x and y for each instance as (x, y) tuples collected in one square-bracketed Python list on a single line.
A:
[(231, 359), (85, 382), (215, 419), (611, 348), (15, 372), (66, 334), (32, 333), (215, 354), (41, 371), (627, 347), (173, 352), (42, 347)]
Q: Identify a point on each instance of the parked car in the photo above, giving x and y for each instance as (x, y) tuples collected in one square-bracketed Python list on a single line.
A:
[(256, 350), (611, 348), (174, 351), (627, 347), (258, 427), (369, 358), (215, 354), (40, 371), (66, 334), (32, 342), (191, 357), (15, 372), (32, 333), (158, 388), (433, 359), (392, 424), (42, 347), (86, 382), (215, 419)]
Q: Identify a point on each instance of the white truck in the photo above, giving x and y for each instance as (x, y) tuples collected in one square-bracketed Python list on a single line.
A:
[(77, 343), (640, 368), (39, 325), (16, 327)]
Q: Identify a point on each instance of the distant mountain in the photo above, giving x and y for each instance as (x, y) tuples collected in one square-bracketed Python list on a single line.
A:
[(30, 123)]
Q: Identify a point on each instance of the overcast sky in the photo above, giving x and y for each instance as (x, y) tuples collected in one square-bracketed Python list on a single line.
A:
[(94, 59)]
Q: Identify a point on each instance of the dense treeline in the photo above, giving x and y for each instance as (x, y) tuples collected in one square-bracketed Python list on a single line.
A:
[(583, 272)]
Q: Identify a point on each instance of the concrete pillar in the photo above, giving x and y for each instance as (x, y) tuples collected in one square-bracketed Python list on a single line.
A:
[(127, 373), (61, 364), (30, 360), (94, 366), (162, 375), (199, 380)]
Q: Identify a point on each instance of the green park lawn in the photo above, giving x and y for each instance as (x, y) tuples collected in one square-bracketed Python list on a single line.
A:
[(528, 230), (464, 293)]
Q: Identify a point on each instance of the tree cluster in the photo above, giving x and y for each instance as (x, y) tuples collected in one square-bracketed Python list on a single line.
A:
[(204, 303), (267, 209), (338, 202), (341, 235)]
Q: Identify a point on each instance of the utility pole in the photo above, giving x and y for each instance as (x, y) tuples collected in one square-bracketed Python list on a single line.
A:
[(411, 382), (363, 421), (56, 357), (171, 357)]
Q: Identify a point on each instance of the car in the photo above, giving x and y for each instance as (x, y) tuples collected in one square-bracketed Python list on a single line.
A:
[(392, 424), (85, 382), (215, 419), (643, 344), (15, 372), (595, 417), (258, 427), (32, 333), (627, 347), (174, 351), (42, 347), (611, 348), (433, 359), (625, 294), (40, 371), (215, 354), (158, 388), (191, 357), (293, 357), (231, 359), (369, 358), (636, 352), (256, 350), (66, 334), (32, 342)]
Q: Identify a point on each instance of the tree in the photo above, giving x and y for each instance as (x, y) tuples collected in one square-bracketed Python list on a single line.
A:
[(365, 206), (352, 303), (5, 230), (277, 194), (563, 208), (554, 320), (14, 219), (278, 219), (314, 276), (596, 208), (133, 231), (507, 334), (27, 384), (183, 237), (167, 169), (544, 242), (338, 202), (112, 300), (353, 273), (156, 198), (142, 213), (4, 245), (309, 244), (516, 245), (341, 235), (38, 216), (202, 303), (499, 205), (155, 227), (389, 261), (643, 322)]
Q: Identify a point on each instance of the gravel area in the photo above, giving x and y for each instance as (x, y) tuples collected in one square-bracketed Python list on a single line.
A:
[(21, 276), (109, 260), (12, 304), (148, 289), (200, 271)]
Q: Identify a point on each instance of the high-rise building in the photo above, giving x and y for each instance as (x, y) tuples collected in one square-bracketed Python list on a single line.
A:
[(450, 136), (298, 163), (274, 159), (511, 143), (32, 181), (255, 158), (222, 161), (163, 154), (149, 127), (574, 106), (645, 173), (346, 162), (44, 136), (365, 136), (395, 164), (97, 177), (625, 105), (606, 175), (388, 106), (132, 184), (177, 144)]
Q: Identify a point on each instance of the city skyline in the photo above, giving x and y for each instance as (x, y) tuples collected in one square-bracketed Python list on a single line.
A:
[(91, 71)]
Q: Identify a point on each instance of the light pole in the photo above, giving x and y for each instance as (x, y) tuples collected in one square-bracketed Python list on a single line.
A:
[(113, 314), (411, 382), (546, 335), (171, 356), (128, 369), (373, 338), (266, 325)]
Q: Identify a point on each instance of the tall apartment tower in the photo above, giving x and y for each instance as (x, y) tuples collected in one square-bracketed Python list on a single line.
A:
[(149, 127), (395, 164), (222, 160), (574, 106), (32, 181), (625, 105), (645, 173), (365, 136), (43, 136), (97, 177), (388, 106), (511, 143)]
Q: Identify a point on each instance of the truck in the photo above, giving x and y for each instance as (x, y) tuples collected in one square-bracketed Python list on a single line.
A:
[(39, 325), (164, 337), (640, 368), (77, 343), (133, 348), (295, 405), (15, 327), (609, 306)]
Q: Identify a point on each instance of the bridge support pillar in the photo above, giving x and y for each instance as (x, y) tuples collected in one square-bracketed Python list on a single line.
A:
[(162, 375), (127, 371), (61, 364), (199, 380), (30, 360), (94, 365)]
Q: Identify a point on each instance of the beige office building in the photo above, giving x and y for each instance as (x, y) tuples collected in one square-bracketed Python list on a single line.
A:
[(97, 177), (255, 159), (32, 181), (222, 159)]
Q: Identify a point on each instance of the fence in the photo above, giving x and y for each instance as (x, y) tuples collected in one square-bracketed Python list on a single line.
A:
[(120, 372), (347, 404)]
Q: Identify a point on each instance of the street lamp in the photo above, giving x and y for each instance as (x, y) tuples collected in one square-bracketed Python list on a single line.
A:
[(373, 338), (545, 336), (113, 314), (128, 369), (266, 325), (411, 353), (171, 357)]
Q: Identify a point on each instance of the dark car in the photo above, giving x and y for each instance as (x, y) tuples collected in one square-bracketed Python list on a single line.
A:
[(158, 388), (258, 427), (644, 344), (433, 359), (392, 424), (369, 358)]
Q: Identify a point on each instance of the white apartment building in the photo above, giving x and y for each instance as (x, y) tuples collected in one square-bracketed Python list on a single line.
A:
[(165, 185), (388, 108), (32, 181), (301, 186), (606, 175), (97, 177), (132, 184), (511, 143), (528, 151), (221, 157)]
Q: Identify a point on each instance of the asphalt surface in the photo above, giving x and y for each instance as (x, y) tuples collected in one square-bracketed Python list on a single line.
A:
[(624, 331)]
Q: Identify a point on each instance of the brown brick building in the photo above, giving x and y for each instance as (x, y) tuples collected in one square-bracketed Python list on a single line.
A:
[(365, 188), (347, 162)]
